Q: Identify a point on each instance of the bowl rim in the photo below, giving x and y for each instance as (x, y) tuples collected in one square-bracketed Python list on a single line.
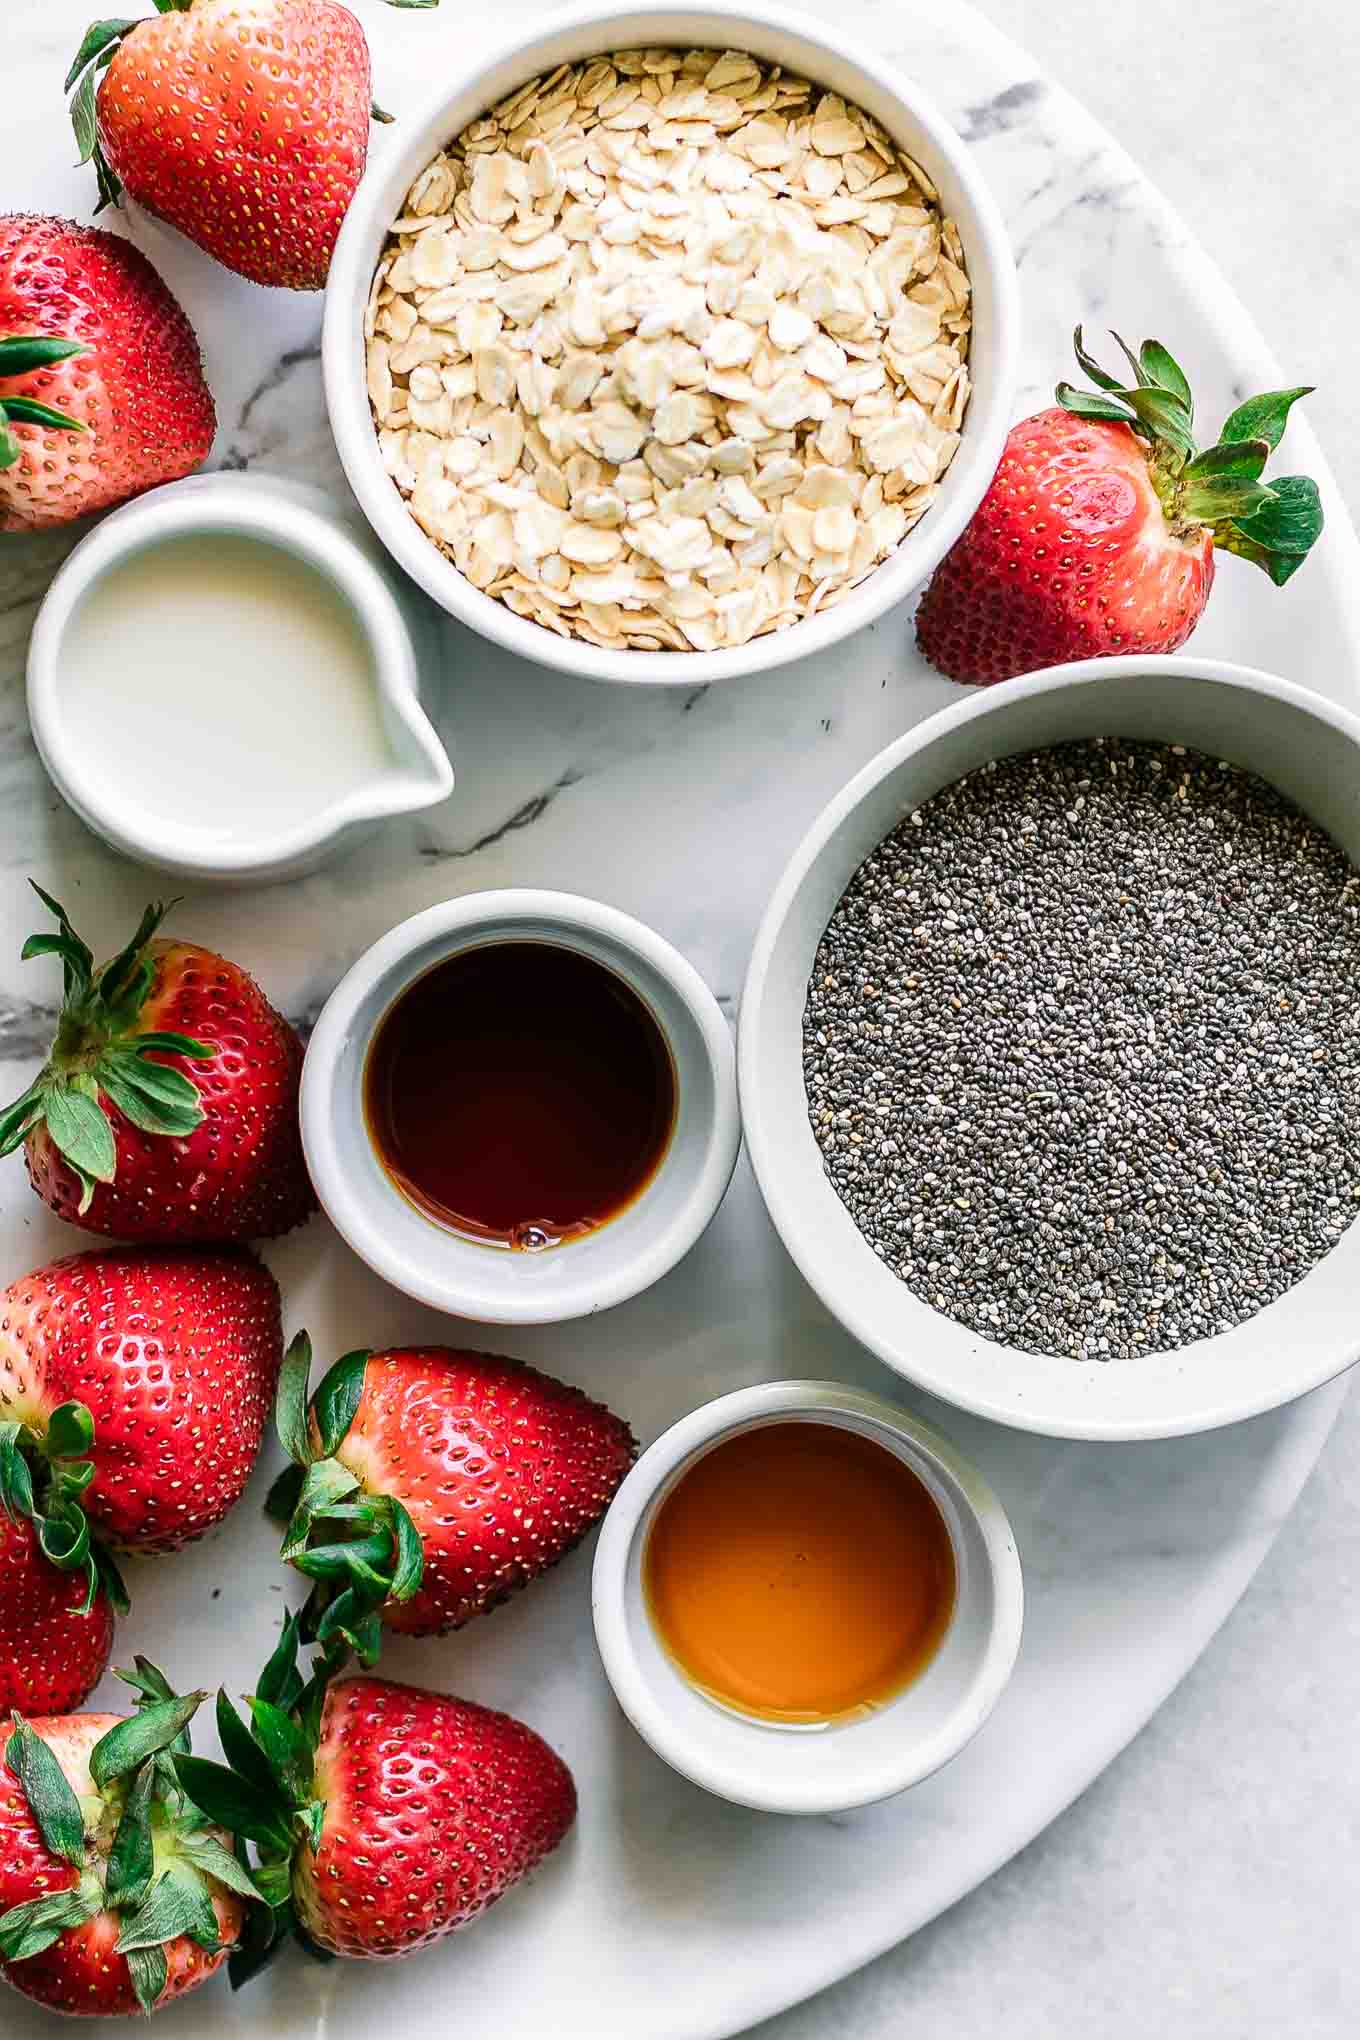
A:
[(938, 1462), (570, 914), (841, 1297), (291, 518), (375, 205)]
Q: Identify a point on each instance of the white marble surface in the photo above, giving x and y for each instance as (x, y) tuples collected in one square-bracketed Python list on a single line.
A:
[(1207, 1886)]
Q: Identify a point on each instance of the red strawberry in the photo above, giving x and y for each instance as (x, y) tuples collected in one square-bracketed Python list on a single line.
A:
[(1098, 532), (168, 1107), (471, 1475), (244, 123), (405, 1816), (52, 1653), (157, 1369), (101, 386), (96, 1918)]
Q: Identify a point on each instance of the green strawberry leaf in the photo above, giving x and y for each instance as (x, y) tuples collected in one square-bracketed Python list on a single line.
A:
[(1217, 496), (150, 1972), (18, 1119), (290, 1406), (145, 1734), (241, 1750), (27, 411), (64, 1536), (72, 952), (352, 1619), (358, 1558), (280, 1682), (26, 1930), (139, 1091), (100, 35), (176, 1904), (1089, 366), (70, 1432), (282, 1498), (16, 1479), (327, 1481), (109, 1578), (173, 1044), (426, 4), (83, 118), (82, 1133), (132, 1858), (25, 353), (1291, 522), (1230, 457), (10, 449), (1165, 372), (207, 1854), (51, 1801), (120, 974), (1163, 417), (336, 1401), (1142, 380), (1086, 404), (83, 952), (409, 1569), (234, 1803), (1264, 417), (285, 1747)]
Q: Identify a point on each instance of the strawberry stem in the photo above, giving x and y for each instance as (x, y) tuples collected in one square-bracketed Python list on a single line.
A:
[(1273, 525), (102, 1058), (360, 1550)]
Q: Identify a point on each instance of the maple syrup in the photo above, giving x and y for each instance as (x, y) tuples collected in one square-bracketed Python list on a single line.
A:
[(800, 1573), (520, 1093)]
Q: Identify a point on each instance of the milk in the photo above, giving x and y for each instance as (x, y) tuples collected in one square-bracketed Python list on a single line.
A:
[(222, 685)]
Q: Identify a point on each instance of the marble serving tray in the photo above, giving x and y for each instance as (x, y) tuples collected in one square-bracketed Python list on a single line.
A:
[(670, 1916)]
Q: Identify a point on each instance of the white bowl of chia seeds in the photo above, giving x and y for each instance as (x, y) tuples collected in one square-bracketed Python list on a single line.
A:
[(1050, 1049)]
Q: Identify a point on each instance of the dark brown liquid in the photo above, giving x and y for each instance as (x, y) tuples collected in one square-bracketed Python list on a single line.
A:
[(520, 1093)]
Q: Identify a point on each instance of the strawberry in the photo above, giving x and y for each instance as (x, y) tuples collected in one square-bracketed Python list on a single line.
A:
[(52, 1651), (134, 1390), (244, 123), (459, 1477), (101, 381), (384, 1816), (168, 1106), (1099, 530), (115, 1894)]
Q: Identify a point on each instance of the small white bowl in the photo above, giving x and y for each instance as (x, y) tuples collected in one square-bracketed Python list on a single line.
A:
[(488, 1283), (816, 51), (767, 1765), (305, 523), (1302, 744)]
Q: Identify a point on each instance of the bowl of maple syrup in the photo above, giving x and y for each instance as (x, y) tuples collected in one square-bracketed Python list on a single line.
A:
[(806, 1599), (520, 1106)]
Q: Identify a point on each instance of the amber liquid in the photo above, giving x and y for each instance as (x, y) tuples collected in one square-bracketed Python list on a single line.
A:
[(520, 1094), (800, 1573)]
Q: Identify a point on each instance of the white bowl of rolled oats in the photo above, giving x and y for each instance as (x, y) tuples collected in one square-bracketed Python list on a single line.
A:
[(672, 343)]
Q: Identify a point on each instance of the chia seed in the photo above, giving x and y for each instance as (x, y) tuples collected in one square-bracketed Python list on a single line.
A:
[(1082, 1048)]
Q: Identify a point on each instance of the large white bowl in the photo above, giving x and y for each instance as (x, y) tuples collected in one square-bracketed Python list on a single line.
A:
[(779, 36), (1298, 741)]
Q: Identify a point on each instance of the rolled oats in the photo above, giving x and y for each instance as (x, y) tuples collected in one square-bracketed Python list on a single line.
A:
[(669, 349)]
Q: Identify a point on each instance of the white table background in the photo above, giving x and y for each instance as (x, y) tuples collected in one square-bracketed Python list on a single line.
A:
[(1208, 1886)]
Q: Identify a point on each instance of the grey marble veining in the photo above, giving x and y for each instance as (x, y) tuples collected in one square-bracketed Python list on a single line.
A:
[(1206, 1885)]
